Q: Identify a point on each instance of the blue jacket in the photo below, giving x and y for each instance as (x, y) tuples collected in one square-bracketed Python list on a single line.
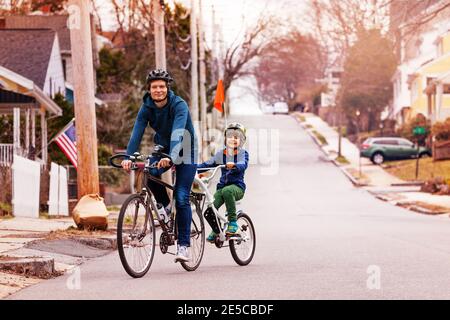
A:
[(173, 128), (233, 176)]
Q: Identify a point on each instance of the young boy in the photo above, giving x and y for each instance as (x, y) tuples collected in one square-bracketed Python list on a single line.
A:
[(231, 186)]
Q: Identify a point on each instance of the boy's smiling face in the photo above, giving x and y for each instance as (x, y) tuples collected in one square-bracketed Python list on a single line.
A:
[(233, 139)]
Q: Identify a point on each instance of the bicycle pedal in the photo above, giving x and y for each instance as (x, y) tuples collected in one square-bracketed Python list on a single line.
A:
[(232, 236)]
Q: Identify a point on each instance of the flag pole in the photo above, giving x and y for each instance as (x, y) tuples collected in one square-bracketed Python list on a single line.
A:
[(57, 135), (61, 131)]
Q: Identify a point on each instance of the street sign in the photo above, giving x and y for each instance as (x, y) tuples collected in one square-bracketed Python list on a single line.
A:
[(419, 131)]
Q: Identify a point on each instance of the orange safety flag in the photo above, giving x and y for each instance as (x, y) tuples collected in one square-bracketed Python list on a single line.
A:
[(220, 96)]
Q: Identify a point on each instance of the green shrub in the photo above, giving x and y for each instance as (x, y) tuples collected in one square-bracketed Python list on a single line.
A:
[(441, 130), (406, 130)]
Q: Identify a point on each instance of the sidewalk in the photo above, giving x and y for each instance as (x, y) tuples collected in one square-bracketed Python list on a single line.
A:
[(363, 173), (32, 250)]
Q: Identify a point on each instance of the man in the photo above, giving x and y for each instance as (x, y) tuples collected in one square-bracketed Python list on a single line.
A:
[(169, 116)]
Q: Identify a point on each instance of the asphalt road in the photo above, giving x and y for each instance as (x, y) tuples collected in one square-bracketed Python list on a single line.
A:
[(318, 237)]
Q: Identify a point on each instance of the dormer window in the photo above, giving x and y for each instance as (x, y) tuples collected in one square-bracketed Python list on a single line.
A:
[(439, 46)]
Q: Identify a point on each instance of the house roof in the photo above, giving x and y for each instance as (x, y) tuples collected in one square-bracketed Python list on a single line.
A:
[(11, 81), (57, 23), (27, 52)]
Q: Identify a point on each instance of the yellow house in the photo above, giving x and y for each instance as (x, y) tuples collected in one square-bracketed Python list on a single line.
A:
[(430, 84)]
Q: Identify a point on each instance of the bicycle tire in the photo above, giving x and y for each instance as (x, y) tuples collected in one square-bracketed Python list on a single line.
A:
[(122, 234), (246, 228), (197, 247)]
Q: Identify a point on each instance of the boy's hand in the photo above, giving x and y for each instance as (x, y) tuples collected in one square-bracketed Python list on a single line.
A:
[(230, 165)]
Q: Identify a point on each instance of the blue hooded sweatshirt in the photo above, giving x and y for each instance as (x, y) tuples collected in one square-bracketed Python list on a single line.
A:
[(233, 176), (173, 128)]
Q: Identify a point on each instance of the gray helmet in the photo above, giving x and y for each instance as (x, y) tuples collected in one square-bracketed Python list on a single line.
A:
[(159, 74), (240, 128)]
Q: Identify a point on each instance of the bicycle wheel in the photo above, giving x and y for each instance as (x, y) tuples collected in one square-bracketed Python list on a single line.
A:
[(243, 249), (136, 236), (197, 238)]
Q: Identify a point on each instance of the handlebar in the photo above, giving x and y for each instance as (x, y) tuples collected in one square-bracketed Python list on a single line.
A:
[(138, 157), (207, 180)]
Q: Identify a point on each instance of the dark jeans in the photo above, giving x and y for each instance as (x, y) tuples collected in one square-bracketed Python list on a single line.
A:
[(185, 174)]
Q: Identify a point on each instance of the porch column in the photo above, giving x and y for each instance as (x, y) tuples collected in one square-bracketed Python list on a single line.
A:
[(44, 136), (16, 128), (27, 131), (33, 128), (439, 93), (429, 105)]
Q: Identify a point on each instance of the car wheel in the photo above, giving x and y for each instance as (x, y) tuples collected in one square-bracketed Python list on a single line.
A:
[(378, 158)]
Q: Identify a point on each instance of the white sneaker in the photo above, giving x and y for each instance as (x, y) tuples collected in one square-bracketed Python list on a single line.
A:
[(182, 254)]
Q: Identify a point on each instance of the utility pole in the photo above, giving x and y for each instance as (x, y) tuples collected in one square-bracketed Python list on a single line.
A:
[(194, 62), (203, 103), (215, 69), (160, 57), (84, 100), (160, 40)]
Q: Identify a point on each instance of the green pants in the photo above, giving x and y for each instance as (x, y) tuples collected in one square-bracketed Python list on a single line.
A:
[(228, 195)]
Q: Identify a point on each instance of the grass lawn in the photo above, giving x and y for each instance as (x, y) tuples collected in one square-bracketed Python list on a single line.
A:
[(321, 138), (406, 169)]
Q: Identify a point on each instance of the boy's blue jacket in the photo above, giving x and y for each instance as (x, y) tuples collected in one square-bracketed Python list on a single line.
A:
[(233, 176), (172, 124)]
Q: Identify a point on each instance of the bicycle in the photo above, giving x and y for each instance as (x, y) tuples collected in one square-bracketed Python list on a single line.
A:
[(136, 231), (244, 240), (133, 229)]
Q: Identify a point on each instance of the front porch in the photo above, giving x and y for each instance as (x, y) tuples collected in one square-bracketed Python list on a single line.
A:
[(22, 99)]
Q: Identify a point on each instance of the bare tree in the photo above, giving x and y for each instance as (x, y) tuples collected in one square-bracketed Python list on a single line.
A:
[(242, 55), (336, 23), (289, 67)]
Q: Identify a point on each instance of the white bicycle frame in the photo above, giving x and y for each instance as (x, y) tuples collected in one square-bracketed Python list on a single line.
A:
[(204, 184)]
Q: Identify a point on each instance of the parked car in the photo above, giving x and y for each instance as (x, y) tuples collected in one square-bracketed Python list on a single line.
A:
[(268, 109), (280, 107), (391, 148)]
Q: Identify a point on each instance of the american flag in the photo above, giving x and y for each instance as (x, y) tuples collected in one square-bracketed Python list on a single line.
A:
[(66, 140)]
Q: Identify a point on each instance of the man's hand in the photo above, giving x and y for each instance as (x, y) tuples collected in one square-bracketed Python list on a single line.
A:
[(230, 165), (126, 164), (164, 163)]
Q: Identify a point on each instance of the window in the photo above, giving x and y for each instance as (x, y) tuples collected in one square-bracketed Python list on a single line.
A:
[(415, 90), (386, 142), (439, 47), (64, 68), (429, 79), (336, 74), (405, 143), (446, 88)]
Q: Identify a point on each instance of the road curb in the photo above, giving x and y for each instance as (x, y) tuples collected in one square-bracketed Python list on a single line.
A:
[(41, 267), (337, 164), (103, 243), (352, 179), (407, 204)]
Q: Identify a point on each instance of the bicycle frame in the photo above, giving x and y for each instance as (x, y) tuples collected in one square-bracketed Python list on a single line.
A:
[(204, 184)]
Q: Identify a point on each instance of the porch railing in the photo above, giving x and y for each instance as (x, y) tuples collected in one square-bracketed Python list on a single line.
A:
[(6, 154)]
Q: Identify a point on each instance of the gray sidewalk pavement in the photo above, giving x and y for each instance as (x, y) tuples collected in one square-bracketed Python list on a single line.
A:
[(33, 249), (374, 178)]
